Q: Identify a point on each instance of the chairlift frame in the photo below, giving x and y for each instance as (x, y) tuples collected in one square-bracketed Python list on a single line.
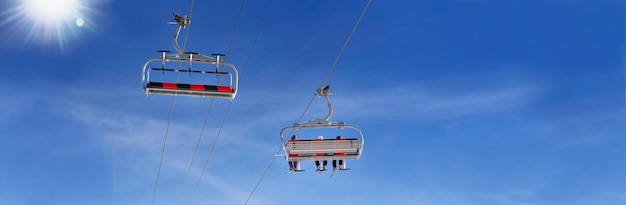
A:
[(327, 149), (194, 90)]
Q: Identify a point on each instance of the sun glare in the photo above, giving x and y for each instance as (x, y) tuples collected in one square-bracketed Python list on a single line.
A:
[(50, 12), (48, 21)]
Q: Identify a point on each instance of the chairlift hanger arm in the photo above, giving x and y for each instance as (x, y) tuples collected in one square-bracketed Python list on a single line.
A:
[(324, 92), (181, 22)]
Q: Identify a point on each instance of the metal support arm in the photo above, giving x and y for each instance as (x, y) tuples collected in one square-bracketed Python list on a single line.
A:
[(323, 92), (181, 23)]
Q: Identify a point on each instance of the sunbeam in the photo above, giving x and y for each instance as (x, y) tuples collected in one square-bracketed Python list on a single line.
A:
[(47, 22)]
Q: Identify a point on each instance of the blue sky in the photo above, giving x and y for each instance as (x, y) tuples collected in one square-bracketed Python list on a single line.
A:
[(460, 101)]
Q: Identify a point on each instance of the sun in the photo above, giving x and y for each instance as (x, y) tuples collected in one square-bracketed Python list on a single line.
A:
[(47, 21), (50, 12)]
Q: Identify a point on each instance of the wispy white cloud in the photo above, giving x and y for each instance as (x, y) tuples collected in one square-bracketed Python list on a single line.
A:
[(414, 102), (15, 103), (573, 131), (421, 103), (135, 142)]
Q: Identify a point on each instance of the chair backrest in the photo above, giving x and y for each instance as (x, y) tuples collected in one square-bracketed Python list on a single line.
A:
[(323, 149)]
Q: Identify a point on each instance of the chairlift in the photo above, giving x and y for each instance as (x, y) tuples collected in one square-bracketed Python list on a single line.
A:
[(228, 91), (310, 149)]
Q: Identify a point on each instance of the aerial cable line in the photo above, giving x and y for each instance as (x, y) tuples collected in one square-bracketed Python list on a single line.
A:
[(256, 38), (232, 36), (193, 157), (207, 117), (227, 110), (210, 107), (332, 66), (356, 24), (170, 113), (208, 113), (206, 163)]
